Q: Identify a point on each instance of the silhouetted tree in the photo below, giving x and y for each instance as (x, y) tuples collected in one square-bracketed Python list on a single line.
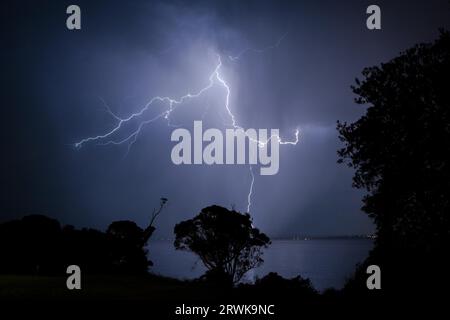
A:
[(273, 282), (128, 242), (88, 248), (225, 240), (30, 245), (401, 152), (38, 245), (148, 232), (127, 247)]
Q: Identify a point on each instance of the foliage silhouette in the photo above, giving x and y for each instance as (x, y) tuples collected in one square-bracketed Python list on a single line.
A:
[(401, 155), (37, 244), (127, 247), (225, 240), (30, 245), (274, 282)]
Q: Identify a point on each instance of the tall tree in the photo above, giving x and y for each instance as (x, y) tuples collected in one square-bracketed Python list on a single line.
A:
[(400, 148), (225, 240)]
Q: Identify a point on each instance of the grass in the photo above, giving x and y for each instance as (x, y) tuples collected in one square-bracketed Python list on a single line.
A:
[(101, 287)]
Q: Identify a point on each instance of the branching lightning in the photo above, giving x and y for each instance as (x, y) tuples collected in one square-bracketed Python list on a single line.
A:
[(215, 78)]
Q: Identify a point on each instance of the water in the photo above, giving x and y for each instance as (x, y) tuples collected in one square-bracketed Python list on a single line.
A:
[(327, 263)]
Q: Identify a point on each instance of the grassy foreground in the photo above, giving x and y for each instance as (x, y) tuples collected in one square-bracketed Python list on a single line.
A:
[(101, 287), (160, 296)]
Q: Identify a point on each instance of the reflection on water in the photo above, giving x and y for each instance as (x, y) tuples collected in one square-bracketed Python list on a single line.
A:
[(328, 263)]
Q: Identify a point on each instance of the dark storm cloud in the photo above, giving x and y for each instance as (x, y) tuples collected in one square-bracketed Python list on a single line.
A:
[(128, 52)]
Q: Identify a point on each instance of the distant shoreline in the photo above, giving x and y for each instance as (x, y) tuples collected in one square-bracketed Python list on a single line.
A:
[(301, 238), (305, 238)]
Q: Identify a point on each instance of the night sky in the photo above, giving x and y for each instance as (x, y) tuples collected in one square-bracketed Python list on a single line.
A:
[(55, 84)]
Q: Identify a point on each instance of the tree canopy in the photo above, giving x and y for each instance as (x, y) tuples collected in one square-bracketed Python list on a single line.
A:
[(225, 240), (400, 148)]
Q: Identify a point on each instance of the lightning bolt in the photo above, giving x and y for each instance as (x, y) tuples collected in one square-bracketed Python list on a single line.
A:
[(171, 104), (250, 191)]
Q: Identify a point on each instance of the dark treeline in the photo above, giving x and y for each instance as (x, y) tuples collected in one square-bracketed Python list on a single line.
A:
[(39, 245), (225, 241), (400, 151)]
